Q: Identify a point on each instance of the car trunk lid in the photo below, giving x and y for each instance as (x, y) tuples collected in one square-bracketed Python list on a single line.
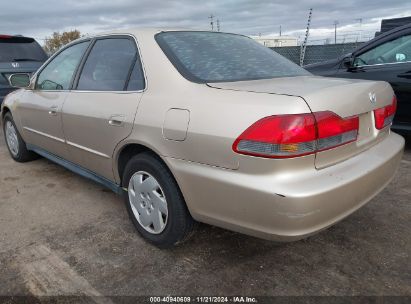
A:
[(344, 97)]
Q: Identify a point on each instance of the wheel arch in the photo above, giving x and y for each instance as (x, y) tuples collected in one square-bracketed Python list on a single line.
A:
[(129, 150), (4, 111)]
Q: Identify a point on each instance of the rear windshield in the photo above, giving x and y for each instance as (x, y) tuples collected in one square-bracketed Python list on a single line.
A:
[(219, 57), (20, 49)]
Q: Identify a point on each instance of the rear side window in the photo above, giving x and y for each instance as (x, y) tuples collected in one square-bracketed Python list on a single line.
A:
[(109, 66), (58, 73), (136, 82), (15, 49), (219, 57)]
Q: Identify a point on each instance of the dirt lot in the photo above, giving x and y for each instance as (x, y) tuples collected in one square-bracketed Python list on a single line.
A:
[(63, 234)]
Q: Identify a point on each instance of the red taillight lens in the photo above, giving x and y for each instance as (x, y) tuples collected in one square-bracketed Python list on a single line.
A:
[(279, 136), (284, 136), (5, 36), (384, 116), (335, 131)]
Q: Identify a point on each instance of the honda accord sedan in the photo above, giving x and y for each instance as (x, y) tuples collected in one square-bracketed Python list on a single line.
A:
[(196, 126)]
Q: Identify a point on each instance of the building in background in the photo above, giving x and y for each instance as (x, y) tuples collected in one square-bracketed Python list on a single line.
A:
[(276, 41), (389, 24)]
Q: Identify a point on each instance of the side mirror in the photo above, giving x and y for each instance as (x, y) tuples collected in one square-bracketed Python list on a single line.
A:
[(348, 62), (21, 80)]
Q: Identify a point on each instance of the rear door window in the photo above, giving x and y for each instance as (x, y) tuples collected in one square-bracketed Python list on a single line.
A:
[(136, 82), (109, 66)]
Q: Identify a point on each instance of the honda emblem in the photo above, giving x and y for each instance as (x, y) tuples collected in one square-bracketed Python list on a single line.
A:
[(373, 98)]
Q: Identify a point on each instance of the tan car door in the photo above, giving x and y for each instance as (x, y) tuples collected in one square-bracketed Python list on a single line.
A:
[(40, 110), (100, 112)]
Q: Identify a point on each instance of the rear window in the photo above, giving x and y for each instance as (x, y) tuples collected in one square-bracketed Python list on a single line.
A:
[(20, 49), (220, 57)]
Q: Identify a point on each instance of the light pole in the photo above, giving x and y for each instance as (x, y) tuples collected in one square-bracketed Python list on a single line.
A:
[(335, 31), (211, 21), (360, 21)]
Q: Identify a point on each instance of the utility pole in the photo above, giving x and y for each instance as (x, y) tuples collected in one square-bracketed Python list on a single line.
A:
[(360, 21), (280, 30), (218, 25), (335, 31), (304, 45), (211, 22)]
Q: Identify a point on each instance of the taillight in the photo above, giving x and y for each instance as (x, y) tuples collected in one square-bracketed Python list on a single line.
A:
[(384, 116), (334, 131), (285, 136)]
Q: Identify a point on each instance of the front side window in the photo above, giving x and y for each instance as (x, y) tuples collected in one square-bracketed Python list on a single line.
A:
[(58, 73), (394, 51), (108, 66), (219, 57)]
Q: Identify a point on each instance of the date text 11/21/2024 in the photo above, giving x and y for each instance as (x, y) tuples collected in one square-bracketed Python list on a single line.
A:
[(203, 299)]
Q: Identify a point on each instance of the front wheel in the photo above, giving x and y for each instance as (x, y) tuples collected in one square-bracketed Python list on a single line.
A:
[(155, 203), (15, 143)]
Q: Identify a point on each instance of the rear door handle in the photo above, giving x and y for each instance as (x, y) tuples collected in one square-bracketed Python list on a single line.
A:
[(53, 110), (406, 75), (116, 120)]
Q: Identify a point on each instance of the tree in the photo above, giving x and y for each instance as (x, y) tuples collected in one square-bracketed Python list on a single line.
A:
[(57, 40)]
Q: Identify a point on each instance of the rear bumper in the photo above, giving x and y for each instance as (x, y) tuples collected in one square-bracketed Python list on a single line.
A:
[(283, 206)]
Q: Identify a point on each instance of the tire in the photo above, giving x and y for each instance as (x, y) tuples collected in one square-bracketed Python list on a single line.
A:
[(151, 189), (18, 151)]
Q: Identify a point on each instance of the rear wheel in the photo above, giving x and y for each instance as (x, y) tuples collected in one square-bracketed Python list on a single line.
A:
[(15, 144), (155, 203)]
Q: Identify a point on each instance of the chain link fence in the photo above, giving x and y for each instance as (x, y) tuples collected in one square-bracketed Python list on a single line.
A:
[(317, 53)]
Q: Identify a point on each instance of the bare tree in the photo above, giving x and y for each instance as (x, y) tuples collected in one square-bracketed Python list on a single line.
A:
[(57, 40)]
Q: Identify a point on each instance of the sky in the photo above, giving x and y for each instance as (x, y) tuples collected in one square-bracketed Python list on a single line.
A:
[(250, 17)]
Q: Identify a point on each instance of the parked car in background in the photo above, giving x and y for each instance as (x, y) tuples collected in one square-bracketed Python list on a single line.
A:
[(207, 126), (18, 54), (387, 57)]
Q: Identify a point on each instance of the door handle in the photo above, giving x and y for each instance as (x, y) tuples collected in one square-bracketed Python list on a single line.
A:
[(116, 120), (53, 110), (406, 75)]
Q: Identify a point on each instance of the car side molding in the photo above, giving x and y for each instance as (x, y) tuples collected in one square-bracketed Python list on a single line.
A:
[(77, 169)]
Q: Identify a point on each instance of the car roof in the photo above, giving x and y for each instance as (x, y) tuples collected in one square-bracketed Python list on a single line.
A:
[(144, 31), (6, 36), (148, 31)]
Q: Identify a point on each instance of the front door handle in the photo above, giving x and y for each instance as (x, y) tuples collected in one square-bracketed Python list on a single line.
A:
[(53, 110), (116, 120)]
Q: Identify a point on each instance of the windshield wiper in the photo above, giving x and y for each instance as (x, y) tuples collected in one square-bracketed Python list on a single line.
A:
[(26, 59)]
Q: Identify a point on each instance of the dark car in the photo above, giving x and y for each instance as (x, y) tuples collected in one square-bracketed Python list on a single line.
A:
[(386, 57), (18, 54)]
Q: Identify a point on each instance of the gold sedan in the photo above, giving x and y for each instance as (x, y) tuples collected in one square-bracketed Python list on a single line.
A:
[(204, 126)]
